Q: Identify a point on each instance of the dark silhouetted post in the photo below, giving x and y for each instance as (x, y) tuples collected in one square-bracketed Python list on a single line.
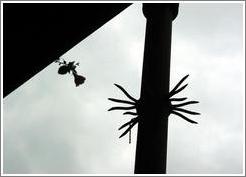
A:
[(151, 148)]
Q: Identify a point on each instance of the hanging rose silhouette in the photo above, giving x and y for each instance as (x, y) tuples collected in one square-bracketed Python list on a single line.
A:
[(68, 68), (78, 79)]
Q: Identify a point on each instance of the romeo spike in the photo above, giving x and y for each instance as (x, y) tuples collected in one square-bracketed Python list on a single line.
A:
[(179, 83), (184, 117), (177, 91), (186, 103), (121, 101), (121, 108), (125, 92)]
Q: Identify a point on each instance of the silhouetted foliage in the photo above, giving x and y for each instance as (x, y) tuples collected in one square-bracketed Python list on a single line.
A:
[(137, 104), (70, 67)]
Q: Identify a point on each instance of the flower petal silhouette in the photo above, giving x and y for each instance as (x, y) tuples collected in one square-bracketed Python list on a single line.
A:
[(78, 79), (63, 69)]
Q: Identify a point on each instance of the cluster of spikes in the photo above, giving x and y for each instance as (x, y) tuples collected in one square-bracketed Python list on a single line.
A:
[(134, 104), (175, 108)]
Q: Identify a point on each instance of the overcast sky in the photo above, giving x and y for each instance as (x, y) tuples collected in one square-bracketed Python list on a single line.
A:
[(51, 126)]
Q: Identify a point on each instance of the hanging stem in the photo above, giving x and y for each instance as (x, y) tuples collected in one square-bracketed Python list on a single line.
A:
[(130, 135)]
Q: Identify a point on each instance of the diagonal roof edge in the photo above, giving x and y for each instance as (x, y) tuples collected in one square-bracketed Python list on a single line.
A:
[(35, 34)]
